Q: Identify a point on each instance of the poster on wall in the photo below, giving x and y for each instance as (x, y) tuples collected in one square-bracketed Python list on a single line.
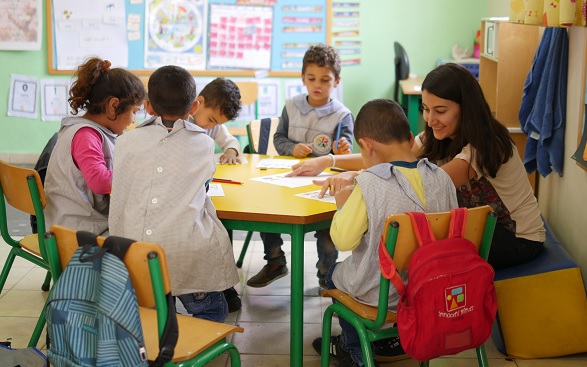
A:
[(175, 33), (22, 99), (20, 24), (85, 28), (240, 36)]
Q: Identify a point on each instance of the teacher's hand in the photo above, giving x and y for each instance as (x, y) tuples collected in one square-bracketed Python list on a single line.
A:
[(311, 167)]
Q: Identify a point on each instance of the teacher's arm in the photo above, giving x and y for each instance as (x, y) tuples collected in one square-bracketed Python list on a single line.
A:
[(313, 167)]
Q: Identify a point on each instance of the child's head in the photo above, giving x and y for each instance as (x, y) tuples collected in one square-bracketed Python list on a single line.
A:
[(381, 123), (172, 93), (115, 93), (220, 101), (320, 73)]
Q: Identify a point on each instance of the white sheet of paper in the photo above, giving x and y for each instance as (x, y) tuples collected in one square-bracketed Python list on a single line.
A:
[(215, 189), (241, 159), (314, 196), (276, 163), (24, 91), (291, 182), (54, 104)]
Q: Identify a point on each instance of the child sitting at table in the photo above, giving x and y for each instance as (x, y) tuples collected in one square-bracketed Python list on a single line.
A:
[(219, 103), (311, 124), (395, 181), (161, 170)]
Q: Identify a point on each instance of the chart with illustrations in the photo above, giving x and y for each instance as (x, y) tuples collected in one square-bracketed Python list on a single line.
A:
[(174, 33)]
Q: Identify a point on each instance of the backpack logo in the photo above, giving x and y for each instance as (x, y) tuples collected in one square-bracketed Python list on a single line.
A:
[(455, 297)]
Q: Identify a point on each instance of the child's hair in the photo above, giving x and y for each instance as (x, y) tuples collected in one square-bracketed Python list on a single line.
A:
[(382, 120), (224, 95), (322, 55), (172, 91), (478, 127), (96, 83)]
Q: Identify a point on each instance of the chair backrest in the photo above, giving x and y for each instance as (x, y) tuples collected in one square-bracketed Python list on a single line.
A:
[(407, 243), (249, 94), (62, 242), (402, 67), (260, 134), (23, 189)]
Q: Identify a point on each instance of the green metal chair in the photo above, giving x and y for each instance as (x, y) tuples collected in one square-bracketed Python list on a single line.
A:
[(260, 133), (401, 242), (200, 341), (22, 189)]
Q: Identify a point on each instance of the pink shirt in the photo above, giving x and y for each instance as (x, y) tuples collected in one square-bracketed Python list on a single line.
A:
[(86, 149)]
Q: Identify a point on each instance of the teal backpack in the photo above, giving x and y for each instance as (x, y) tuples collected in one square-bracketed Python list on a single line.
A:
[(93, 314)]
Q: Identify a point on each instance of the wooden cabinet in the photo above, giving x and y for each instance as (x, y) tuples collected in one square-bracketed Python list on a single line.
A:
[(507, 51)]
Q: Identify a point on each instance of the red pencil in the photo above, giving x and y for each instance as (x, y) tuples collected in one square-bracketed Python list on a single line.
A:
[(224, 180)]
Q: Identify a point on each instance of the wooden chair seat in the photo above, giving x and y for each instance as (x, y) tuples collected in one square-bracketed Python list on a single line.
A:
[(31, 244), (188, 344), (363, 310)]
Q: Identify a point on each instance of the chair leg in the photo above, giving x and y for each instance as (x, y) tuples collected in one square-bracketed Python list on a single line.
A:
[(38, 329), (47, 283), (326, 333), (6, 268), (241, 258), (424, 364), (482, 356), (211, 353)]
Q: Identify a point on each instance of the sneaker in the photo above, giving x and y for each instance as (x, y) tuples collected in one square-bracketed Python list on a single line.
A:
[(389, 350), (233, 300), (267, 275), (337, 352)]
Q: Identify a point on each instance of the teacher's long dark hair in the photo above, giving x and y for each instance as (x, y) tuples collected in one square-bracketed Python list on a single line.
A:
[(490, 139)]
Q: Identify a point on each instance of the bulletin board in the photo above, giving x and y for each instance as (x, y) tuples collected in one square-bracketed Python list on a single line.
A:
[(207, 37)]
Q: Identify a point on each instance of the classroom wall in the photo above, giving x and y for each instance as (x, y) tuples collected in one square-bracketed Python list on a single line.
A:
[(427, 29), (563, 199)]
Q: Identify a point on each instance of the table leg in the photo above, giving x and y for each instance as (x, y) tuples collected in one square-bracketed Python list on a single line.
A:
[(297, 297)]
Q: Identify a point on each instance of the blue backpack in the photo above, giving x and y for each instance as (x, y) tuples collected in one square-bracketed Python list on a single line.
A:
[(93, 313)]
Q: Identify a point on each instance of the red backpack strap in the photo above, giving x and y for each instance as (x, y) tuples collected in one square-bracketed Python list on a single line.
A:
[(422, 229), (387, 267), (458, 223)]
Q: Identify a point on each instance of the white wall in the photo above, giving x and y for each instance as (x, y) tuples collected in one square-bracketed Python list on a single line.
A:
[(563, 200)]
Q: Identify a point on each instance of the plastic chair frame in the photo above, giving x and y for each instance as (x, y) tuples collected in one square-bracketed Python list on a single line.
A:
[(23, 189), (371, 329), (148, 297)]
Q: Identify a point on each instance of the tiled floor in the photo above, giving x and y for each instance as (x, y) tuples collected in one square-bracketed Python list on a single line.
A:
[(264, 316)]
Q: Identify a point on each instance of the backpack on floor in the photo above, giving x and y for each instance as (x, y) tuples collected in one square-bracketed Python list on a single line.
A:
[(93, 314), (449, 303)]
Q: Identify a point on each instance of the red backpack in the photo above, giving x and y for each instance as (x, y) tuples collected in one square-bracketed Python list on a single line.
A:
[(449, 303)]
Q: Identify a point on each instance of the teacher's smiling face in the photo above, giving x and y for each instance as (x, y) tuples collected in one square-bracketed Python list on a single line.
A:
[(443, 116)]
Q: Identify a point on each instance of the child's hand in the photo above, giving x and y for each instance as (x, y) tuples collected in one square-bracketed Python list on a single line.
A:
[(342, 196), (336, 183), (343, 147), (229, 157), (301, 150)]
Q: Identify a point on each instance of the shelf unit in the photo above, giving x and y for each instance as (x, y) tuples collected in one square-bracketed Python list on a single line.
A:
[(502, 77)]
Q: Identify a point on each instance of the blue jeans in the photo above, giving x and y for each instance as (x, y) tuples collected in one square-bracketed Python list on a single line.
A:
[(208, 306), (350, 337), (327, 253)]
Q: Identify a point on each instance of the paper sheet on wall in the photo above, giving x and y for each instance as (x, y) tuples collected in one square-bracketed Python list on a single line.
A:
[(54, 105), (21, 24), (268, 99), (314, 196), (291, 182), (22, 100), (85, 28)]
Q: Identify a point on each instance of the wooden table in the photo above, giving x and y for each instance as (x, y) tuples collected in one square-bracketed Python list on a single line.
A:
[(410, 92), (261, 207)]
